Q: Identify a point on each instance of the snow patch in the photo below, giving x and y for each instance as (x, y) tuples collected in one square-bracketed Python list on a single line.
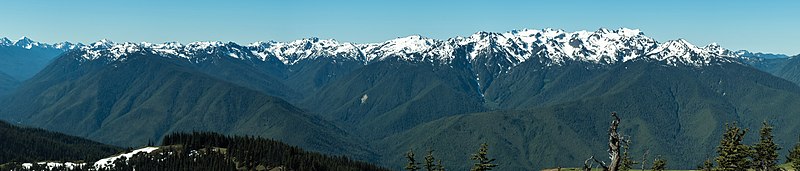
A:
[(109, 162), (364, 98), (51, 165)]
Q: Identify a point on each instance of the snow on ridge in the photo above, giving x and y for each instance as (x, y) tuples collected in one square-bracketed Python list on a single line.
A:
[(51, 165), (106, 48), (105, 163), (553, 46), (682, 51), (403, 47), (109, 162), (303, 49)]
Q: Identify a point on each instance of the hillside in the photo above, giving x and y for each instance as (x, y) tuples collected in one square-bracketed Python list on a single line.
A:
[(786, 67), (382, 101), (678, 113), (156, 96), (22, 144), (789, 69), (7, 84)]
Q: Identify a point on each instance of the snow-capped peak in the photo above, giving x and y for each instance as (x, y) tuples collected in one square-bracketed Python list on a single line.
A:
[(25, 42), (5, 42), (403, 47), (109, 49), (677, 46), (103, 43), (304, 49), (681, 51)]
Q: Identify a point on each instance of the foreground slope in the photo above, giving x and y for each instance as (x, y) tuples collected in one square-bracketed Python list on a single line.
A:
[(146, 97), (30, 144), (208, 151)]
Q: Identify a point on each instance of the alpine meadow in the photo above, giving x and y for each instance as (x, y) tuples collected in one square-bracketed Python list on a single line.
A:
[(612, 86)]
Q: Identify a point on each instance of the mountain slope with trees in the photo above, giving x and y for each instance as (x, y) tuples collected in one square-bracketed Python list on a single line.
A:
[(156, 96), (7, 84), (672, 111), (20, 144)]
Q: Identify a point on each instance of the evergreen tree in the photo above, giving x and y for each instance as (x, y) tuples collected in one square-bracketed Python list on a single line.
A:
[(482, 162), (659, 164), (794, 157), (627, 162), (707, 165), (412, 163), (429, 159), (733, 155), (765, 152), (439, 166)]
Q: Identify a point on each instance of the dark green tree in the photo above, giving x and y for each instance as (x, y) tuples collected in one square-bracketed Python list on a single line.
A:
[(765, 152), (429, 161), (482, 162), (627, 162), (412, 163), (733, 155), (707, 165), (659, 164), (794, 157), (439, 166)]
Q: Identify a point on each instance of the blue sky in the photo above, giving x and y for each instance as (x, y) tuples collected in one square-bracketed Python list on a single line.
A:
[(764, 26)]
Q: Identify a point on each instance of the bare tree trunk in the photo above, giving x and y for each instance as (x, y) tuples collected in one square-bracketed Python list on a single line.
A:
[(587, 166), (614, 139), (614, 144)]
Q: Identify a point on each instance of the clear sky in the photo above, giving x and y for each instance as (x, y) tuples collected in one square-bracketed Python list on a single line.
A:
[(756, 25)]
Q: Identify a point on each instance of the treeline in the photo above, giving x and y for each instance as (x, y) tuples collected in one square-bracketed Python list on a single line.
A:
[(212, 151), (250, 153), (18, 144)]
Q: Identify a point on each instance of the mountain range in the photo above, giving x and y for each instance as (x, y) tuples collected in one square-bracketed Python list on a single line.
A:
[(525, 92), (24, 57)]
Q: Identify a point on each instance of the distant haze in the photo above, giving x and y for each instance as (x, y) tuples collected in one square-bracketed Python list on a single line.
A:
[(759, 26)]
